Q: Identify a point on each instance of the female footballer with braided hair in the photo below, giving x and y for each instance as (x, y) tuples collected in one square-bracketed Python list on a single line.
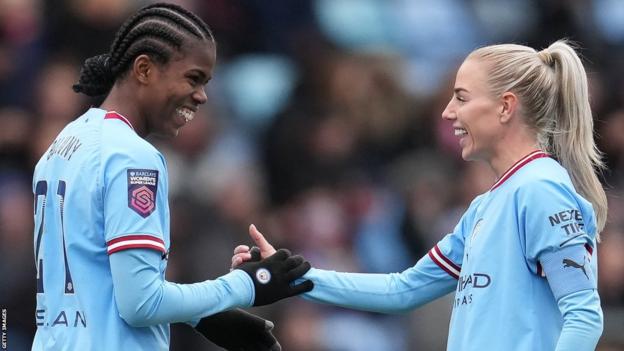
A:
[(522, 259), (102, 216)]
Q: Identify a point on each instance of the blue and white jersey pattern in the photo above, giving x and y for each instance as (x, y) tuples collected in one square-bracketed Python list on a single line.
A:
[(99, 189), (517, 250), (529, 226)]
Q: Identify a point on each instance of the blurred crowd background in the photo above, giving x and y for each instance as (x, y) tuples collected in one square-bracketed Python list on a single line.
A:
[(323, 128)]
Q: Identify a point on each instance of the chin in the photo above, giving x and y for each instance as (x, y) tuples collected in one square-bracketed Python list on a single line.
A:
[(465, 155), (167, 134), (468, 155)]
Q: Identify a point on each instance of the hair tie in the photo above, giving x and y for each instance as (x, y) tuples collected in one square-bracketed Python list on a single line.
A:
[(546, 57)]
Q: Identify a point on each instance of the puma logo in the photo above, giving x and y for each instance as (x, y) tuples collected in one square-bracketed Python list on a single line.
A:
[(569, 263)]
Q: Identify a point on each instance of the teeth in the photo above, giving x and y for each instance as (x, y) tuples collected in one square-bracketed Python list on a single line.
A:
[(186, 113), (460, 132)]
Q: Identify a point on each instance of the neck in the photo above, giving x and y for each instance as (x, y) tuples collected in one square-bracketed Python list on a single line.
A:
[(513, 147), (119, 100), (507, 158)]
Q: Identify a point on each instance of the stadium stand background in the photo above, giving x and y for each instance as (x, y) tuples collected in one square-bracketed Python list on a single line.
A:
[(322, 127)]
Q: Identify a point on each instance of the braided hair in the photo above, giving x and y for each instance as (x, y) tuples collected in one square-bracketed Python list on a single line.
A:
[(158, 30)]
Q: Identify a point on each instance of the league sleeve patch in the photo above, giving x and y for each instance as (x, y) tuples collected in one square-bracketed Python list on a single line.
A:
[(142, 187)]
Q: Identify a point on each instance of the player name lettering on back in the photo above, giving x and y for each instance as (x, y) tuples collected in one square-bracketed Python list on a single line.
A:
[(61, 319), (64, 147)]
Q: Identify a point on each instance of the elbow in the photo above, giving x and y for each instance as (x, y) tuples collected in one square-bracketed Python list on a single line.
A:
[(596, 323), (134, 315), (595, 328), (599, 324)]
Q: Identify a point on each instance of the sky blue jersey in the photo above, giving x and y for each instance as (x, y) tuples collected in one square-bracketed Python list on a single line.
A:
[(100, 189), (93, 198), (522, 257)]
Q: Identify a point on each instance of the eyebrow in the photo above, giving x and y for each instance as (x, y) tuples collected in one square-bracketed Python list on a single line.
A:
[(201, 74), (459, 90)]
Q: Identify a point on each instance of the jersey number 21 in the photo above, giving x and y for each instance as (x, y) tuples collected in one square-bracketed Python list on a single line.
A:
[(41, 191)]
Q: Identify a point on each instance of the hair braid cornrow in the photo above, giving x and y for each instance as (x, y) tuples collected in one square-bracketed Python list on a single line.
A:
[(177, 19), (149, 46), (195, 19), (121, 45), (157, 30), (125, 28), (153, 30)]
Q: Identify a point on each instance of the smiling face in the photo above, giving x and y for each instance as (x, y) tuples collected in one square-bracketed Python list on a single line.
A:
[(176, 89), (474, 112)]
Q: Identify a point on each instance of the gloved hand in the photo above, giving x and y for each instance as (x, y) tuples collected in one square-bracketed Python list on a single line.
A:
[(273, 277), (237, 330)]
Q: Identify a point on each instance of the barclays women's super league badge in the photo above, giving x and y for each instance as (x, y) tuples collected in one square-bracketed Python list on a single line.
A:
[(142, 186)]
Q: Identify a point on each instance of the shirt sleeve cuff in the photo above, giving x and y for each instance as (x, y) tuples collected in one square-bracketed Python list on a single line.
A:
[(240, 282)]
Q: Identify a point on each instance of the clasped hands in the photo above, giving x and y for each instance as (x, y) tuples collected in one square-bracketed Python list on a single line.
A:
[(273, 273)]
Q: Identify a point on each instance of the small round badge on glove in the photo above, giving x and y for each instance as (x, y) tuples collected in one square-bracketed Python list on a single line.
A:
[(263, 275)]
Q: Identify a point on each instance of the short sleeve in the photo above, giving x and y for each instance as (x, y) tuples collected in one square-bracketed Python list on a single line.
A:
[(135, 201), (558, 227)]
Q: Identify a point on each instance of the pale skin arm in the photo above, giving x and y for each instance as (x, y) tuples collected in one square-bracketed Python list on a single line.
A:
[(241, 252)]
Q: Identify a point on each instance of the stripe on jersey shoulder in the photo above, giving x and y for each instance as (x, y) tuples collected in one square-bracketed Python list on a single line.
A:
[(115, 115), (135, 242), (519, 164), (444, 262)]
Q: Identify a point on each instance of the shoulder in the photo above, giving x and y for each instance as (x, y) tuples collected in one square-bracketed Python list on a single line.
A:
[(77, 144), (546, 194), (132, 164), (467, 219), (121, 143), (474, 204), (542, 178)]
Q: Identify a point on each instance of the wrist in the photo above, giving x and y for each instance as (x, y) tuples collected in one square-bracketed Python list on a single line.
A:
[(241, 285)]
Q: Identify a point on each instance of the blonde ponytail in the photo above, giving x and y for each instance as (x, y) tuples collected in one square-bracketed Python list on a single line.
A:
[(573, 143), (552, 85)]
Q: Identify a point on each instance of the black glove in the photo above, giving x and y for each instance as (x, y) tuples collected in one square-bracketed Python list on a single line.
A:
[(272, 276), (237, 330), (255, 254)]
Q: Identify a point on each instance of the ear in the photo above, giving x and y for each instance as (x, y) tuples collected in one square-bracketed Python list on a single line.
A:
[(143, 68), (509, 104)]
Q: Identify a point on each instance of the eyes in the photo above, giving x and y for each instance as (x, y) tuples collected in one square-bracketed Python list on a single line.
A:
[(460, 98), (194, 79), (459, 94), (197, 79)]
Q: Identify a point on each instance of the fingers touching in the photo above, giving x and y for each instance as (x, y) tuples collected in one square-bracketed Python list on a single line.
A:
[(266, 249)]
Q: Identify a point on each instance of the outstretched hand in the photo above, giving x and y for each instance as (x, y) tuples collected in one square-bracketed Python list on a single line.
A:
[(274, 277), (273, 272), (243, 253)]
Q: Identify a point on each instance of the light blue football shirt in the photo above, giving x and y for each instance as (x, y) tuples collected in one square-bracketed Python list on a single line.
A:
[(517, 250), (101, 189), (92, 198)]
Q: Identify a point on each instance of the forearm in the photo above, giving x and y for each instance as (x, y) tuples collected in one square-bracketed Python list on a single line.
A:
[(572, 279), (385, 293), (144, 298), (582, 321)]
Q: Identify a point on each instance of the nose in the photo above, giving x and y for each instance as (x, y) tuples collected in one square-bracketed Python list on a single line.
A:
[(448, 113), (199, 95)]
